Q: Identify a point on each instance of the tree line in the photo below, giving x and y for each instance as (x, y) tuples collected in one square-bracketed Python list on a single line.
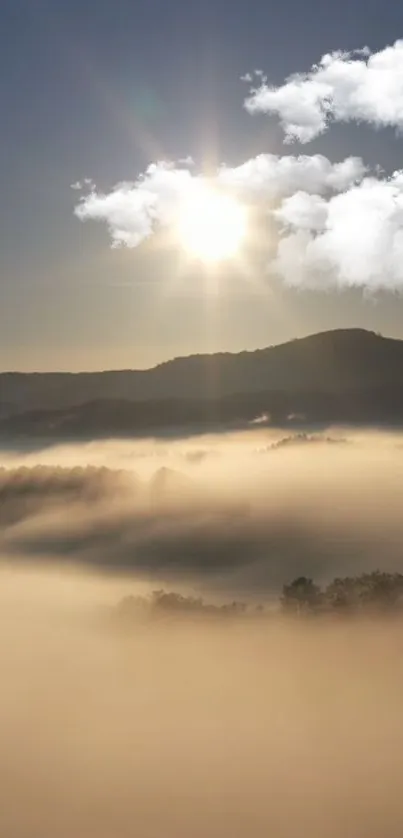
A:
[(375, 592)]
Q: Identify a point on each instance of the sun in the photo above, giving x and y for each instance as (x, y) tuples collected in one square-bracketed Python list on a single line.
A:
[(211, 226)]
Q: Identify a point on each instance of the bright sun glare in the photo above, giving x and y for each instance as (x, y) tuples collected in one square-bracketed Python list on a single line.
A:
[(212, 226)]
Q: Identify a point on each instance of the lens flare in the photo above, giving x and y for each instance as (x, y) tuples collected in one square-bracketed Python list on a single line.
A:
[(211, 226)]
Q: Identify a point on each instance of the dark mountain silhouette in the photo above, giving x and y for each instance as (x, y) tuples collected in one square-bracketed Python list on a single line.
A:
[(340, 376), (341, 359)]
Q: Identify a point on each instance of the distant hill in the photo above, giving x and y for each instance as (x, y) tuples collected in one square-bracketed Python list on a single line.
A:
[(342, 375), (336, 360)]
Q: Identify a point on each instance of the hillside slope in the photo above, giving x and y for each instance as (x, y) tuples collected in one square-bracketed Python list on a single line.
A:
[(335, 361), (345, 376)]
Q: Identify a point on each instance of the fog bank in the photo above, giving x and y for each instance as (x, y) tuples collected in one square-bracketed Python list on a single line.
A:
[(236, 514), (179, 730), (177, 727)]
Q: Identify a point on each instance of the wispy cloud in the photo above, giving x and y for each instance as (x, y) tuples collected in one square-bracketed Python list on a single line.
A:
[(79, 185), (355, 86)]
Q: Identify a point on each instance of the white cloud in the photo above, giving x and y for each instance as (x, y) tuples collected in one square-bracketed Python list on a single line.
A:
[(331, 223), (303, 211), (133, 210), (359, 86), (127, 211), (353, 238), (186, 161), (87, 183), (271, 177)]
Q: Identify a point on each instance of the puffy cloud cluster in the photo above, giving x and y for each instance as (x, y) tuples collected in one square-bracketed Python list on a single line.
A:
[(132, 209), (271, 177), (354, 238), (329, 223), (336, 223), (345, 86)]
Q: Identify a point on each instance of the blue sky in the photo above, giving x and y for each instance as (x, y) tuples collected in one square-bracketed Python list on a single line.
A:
[(100, 89)]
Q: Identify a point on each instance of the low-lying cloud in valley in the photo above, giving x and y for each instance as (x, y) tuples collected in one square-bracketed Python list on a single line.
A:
[(240, 513), (198, 727)]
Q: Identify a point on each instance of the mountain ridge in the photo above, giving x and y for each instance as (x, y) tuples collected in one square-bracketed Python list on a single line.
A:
[(337, 359), (348, 375), (354, 330)]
